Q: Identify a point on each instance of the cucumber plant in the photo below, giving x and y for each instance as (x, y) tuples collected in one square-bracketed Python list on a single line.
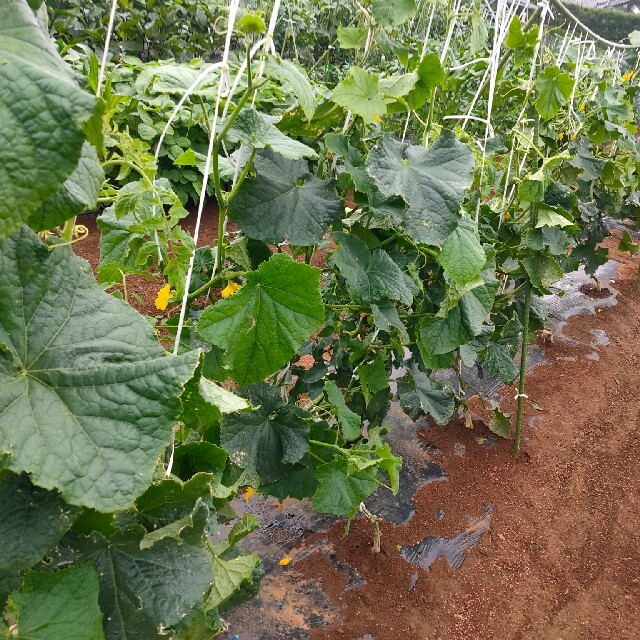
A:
[(403, 222)]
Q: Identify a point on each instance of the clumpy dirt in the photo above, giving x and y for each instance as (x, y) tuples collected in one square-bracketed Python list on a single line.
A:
[(561, 558), (593, 292)]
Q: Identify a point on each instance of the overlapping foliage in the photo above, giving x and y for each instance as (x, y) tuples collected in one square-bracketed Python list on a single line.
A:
[(378, 231)]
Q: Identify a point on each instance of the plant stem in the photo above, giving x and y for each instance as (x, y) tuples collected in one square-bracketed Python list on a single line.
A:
[(134, 167), (523, 366), (335, 447), (510, 294), (533, 218), (242, 176), (125, 293), (222, 203), (67, 231), (222, 209), (346, 306)]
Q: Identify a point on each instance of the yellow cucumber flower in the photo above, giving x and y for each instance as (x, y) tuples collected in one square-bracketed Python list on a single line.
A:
[(627, 76), (230, 289), (164, 295)]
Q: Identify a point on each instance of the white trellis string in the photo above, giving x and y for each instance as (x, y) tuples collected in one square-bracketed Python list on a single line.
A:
[(427, 35), (452, 25), (194, 85), (233, 10), (107, 44), (504, 16)]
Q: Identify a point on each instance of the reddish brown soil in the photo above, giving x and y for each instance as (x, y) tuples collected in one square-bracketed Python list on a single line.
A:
[(561, 559), (146, 289)]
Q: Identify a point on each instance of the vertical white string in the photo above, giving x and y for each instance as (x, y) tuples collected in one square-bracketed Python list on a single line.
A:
[(222, 85), (107, 44)]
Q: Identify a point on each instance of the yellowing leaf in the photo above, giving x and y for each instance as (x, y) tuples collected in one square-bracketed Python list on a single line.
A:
[(164, 295)]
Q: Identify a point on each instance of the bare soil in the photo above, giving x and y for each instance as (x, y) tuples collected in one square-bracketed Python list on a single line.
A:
[(561, 558)]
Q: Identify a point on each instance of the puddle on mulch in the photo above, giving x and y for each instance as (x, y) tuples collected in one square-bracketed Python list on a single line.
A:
[(425, 553), (600, 338), (288, 606)]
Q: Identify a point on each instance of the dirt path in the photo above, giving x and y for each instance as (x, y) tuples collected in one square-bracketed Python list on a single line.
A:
[(561, 558)]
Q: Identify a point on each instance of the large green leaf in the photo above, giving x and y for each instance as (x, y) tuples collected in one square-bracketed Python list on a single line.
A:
[(143, 591), (358, 93), (370, 277), (453, 327), (61, 605), (119, 245), (203, 402), (261, 327), (436, 398), (352, 37), (88, 397), (190, 528), (174, 79), (299, 483), (385, 316), (295, 78), (169, 500), (257, 130), (33, 521), (228, 575), (432, 181), (267, 440), (77, 194), (499, 363), (341, 492), (462, 255), (543, 271), (391, 13), (397, 86), (430, 76), (554, 90), (42, 115), (350, 422), (285, 201)]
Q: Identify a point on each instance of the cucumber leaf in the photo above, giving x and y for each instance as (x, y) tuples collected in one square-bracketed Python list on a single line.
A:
[(88, 397), (261, 326)]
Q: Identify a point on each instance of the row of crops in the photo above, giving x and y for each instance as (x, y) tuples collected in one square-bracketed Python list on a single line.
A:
[(443, 162)]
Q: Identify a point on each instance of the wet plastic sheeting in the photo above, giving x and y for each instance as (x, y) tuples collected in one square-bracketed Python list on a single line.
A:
[(426, 552)]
